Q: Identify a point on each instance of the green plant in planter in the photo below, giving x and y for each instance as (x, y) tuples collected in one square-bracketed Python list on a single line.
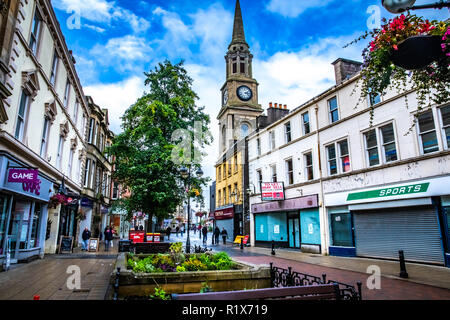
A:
[(205, 288), (379, 73), (160, 294)]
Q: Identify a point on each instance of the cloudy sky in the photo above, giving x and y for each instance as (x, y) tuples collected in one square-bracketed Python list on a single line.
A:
[(293, 43)]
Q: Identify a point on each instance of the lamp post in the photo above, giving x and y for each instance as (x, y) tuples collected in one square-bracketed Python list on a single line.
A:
[(186, 175), (399, 6)]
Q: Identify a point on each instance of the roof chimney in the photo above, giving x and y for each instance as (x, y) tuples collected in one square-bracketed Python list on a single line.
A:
[(344, 69)]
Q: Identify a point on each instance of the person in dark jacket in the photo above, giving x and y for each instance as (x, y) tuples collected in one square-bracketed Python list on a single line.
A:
[(108, 237), (205, 234), (224, 234), (216, 235), (168, 231), (177, 230), (85, 236)]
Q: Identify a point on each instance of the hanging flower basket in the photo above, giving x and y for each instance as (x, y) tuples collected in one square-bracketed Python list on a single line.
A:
[(408, 52), (56, 200)]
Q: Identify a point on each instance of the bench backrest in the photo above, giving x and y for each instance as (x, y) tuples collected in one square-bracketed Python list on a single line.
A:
[(316, 292)]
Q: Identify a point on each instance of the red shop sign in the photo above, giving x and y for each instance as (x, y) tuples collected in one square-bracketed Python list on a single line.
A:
[(224, 214)]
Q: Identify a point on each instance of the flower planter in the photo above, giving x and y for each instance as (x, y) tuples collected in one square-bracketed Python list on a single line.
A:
[(247, 276), (417, 52)]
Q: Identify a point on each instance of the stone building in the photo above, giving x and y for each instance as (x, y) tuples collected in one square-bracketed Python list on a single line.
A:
[(352, 186), (42, 140)]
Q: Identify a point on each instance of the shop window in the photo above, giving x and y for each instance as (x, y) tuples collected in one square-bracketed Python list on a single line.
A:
[(34, 236), (305, 123), (445, 115), (3, 221), (270, 227), (427, 133), (341, 230)]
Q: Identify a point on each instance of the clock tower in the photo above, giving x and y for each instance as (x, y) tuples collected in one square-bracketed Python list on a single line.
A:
[(240, 106)]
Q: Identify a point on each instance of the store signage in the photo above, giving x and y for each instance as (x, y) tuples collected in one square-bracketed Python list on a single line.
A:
[(389, 192), (28, 178), (287, 205), (272, 191), (87, 203), (224, 214)]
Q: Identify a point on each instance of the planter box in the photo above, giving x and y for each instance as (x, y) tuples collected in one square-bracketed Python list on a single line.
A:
[(143, 284)]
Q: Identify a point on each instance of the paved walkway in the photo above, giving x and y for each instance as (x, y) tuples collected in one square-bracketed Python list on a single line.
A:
[(48, 277)]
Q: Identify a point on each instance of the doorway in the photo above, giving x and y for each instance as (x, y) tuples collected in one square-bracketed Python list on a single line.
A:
[(294, 232)]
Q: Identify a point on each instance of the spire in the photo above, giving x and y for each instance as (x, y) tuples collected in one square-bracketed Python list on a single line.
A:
[(238, 29)]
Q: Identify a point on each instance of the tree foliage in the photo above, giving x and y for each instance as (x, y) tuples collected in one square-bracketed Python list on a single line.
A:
[(143, 151)]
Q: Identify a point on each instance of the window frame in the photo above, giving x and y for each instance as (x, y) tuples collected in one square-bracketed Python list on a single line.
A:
[(420, 134), (306, 166), (258, 146), (272, 143), (54, 68), (60, 152), (287, 133), (273, 173), (446, 144), (34, 41), (366, 148), (22, 120), (289, 173), (45, 137), (330, 112), (383, 144), (304, 124)]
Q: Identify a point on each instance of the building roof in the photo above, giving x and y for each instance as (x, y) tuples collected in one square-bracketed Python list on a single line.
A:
[(238, 28)]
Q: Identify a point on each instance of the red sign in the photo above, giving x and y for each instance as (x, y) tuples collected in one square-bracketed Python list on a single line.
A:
[(246, 239), (137, 236), (156, 237), (224, 214), (272, 191)]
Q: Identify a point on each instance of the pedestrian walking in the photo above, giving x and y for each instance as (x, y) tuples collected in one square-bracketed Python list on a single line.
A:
[(108, 237), (216, 235), (168, 231), (182, 231), (199, 231), (194, 228), (205, 234), (177, 229), (224, 234), (85, 236)]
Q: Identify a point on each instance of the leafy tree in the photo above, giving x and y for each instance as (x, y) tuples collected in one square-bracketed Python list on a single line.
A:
[(147, 156)]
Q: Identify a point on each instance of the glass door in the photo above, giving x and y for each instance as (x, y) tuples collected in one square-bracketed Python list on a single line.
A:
[(15, 229), (294, 233)]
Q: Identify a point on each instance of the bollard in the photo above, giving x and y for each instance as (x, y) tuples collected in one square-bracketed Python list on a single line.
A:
[(324, 278), (403, 273), (242, 244), (37, 297), (273, 247), (359, 284)]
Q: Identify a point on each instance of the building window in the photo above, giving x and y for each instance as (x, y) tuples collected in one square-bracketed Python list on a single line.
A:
[(83, 128), (219, 173), (4, 201), (66, 94), (372, 148), (427, 133), (35, 31), (234, 65), (91, 130), (273, 169), (224, 170), (245, 130), (259, 177), (242, 65), (272, 140), (374, 99), (332, 163), (219, 198), (102, 138), (75, 112), (289, 172), (334, 110), (229, 168), (86, 173), (23, 109), (287, 132), (341, 230), (309, 170), (445, 115), (344, 155), (92, 182), (305, 123), (54, 68), (236, 167), (60, 152), (115, 193), (44, 137), (96, 131), (69, 168), (388, 140), (224, 196), (258, 146)]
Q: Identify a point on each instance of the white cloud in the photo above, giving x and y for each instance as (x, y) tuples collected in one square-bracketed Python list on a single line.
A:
[(116, 97), (293, 8), (103, 12)]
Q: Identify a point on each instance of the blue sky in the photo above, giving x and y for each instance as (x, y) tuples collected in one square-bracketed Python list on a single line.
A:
[(293, 43)]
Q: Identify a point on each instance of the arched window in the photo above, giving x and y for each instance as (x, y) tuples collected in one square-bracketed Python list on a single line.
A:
[(245, 130)]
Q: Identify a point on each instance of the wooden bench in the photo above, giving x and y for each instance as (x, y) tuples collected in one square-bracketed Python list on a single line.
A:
[(316, 292)]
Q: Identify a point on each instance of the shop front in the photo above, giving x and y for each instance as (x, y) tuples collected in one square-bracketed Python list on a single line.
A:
[(291, 223), (379, 222), (224, 217), (24, 197)]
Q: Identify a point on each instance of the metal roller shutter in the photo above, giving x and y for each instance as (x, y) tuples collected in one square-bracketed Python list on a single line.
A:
[(383, 233)]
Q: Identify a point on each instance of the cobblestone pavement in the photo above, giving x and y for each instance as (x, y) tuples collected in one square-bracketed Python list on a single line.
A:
[(48, 277)]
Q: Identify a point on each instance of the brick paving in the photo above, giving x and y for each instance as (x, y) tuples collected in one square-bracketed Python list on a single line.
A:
[(48, 277)]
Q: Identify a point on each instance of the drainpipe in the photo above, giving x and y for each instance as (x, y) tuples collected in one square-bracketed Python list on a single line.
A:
[(322, 210)]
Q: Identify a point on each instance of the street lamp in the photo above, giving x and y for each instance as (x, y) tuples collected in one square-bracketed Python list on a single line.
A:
[(186, 175), (399, 6)]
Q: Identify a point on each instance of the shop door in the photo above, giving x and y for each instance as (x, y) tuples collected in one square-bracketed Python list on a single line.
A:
[(14, 235), (383, 233), (294, 233)]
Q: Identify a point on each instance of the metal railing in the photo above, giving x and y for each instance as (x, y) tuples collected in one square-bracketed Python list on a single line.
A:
[(287, 278)]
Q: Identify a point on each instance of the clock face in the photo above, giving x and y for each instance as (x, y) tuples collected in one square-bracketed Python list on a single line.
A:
[(244, 93), (225, 97)]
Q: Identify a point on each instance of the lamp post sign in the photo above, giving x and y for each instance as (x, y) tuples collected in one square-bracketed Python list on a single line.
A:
[(272, 191)]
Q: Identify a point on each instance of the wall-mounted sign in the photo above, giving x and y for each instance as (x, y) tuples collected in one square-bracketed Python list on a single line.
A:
[(387, 192), (286, 205), (272, 191), (29, 179), (224, 214), (87, 203)]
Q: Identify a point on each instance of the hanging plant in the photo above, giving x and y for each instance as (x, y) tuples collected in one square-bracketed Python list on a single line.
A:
[(194, 193), (56, 200), (200, 214), (408, 52)]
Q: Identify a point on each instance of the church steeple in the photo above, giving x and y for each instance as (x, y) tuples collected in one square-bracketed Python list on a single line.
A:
[(238, 28)]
